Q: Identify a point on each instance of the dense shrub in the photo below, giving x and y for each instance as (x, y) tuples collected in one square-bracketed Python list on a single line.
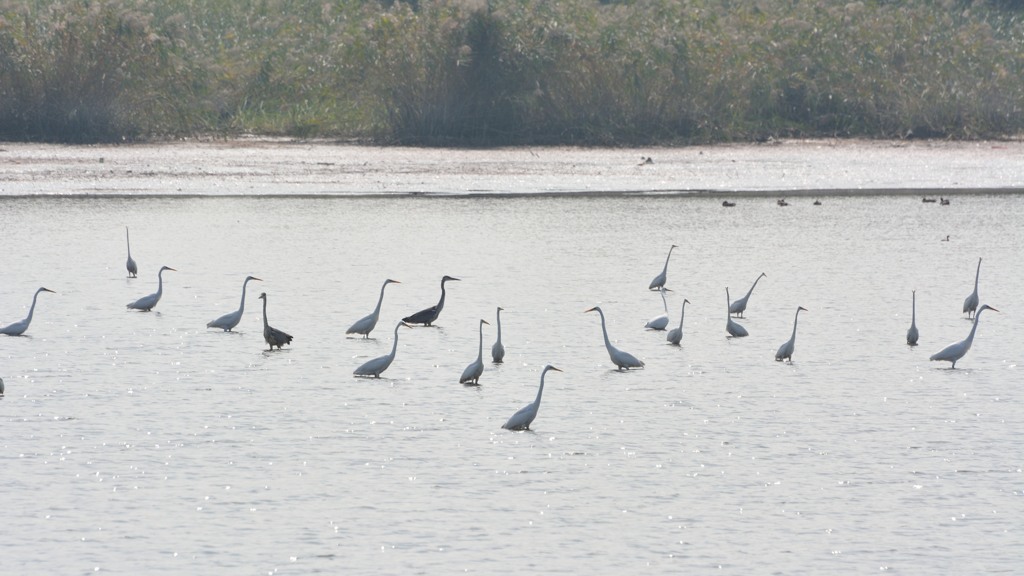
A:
[(478, 72)]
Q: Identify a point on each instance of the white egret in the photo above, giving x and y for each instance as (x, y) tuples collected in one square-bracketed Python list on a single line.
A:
[(659, 280), (522, 419), (19, 328), (427, 317), (377, 365), (659, 322), (366, 324), (230, 320), (471, 375), (971, 302), (786, 350), (133, 268), (146, 303), (912, 331), (740, 304), (732, 327), (273, 336), (619, 358), (498, 350), (675, 335), (956, 350)]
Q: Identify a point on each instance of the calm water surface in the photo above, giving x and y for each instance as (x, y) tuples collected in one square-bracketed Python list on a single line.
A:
[(146, 443)]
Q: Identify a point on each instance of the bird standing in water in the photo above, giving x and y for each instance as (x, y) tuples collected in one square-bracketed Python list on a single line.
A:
[(146, 303), (525, 416), (19, 328), (498, 349), (366, 324), (133, 268), (231, 319), (620, 358), (957, 350), (472, 373), (429, 315), (273, 336), (659, 280)]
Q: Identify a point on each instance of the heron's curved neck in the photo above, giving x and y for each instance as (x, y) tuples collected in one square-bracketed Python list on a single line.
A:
[(663, 302), (795, 319), (667, 258), (727, 299), (128, 241), (160, 282), (440, 303), (682, 314), (977, 275), (265, 323)]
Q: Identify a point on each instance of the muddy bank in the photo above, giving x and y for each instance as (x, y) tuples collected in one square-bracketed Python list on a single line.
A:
[(282, 167)]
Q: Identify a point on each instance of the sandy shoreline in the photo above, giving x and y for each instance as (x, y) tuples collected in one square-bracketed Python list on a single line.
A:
[(297, 168)]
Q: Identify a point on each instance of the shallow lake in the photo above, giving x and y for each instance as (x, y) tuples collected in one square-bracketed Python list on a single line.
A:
[(141, 442)]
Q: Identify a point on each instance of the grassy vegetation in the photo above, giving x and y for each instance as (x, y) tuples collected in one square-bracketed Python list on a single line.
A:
[(477, 72)]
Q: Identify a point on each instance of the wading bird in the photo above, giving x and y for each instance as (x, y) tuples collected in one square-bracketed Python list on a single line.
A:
[(498, 350), (427, 317), (230, 320), (971, 302), (912, 331), (146, 303), (380, 364), (522, 419), (1, 386), (956, 350), (659, 280), (18, 328), (659, 322), (366, 324), (273, 336), (133, 268), (740, 305), (471, 375), (619, 358), (786, 350), (675, 335), (733, 328)]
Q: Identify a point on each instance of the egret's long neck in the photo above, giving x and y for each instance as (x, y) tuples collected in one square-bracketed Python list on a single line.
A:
[(913, 307), (977, 275), (727, 300), (128, 241), (380, 300), (663, 302), (241, 307), (540, 390), (682, 315), (160, 283), (265, 323), (499, 325), (32, 309), (604, 331), (752, 286), (394, 345), (665, 270), (974, 327), (795, 319), (480, 352)]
